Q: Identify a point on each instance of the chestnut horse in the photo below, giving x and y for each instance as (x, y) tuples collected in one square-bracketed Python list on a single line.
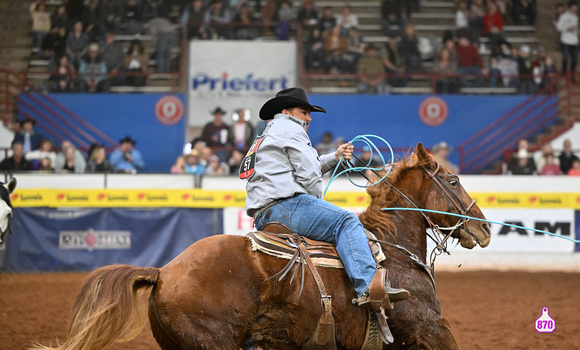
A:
[(217, 293)]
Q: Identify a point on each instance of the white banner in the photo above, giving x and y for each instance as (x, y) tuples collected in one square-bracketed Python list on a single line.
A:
[(237, 75)]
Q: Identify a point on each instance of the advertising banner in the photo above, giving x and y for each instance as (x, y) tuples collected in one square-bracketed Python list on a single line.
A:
[(237, 75), (48, 239)]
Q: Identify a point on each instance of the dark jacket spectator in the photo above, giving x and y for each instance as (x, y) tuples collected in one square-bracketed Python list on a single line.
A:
[(16, 162), (567, 157)]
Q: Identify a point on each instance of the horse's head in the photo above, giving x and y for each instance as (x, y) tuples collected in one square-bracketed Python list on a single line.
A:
[(444, 192), (6, 207)]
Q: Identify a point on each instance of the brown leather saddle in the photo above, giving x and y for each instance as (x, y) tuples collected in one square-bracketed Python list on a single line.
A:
[(278, 240)]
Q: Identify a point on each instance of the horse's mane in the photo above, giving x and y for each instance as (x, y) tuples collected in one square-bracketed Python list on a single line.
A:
[(383, 195)]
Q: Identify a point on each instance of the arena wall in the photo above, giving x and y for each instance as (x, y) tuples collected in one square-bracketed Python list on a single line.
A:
[(50, 207)]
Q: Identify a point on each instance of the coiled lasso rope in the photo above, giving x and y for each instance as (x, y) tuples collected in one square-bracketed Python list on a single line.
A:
[(367, 140)]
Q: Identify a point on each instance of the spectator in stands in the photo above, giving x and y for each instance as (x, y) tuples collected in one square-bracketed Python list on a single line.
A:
[(132, 17), (560, 9), (45, 150), (126, 158), (40, 21), (568, 27), (53, 46), (215, 133), (575, 170), (16, 162), (285, 18), (27, 136), (193, 19), (355, 48), (97, 161), (46, 165), (441, 153), (394, 64), (446, 68), (371, 73), (206, 153), (216, 167), (112, 54), (334, 49), (327, 21), (75, 9), (469, 62), (514, 158), (244, 24), (308, 16), (505, 66), (77, 44), (314, 56), (69, 160), (525, 71), (524, 11), (391, 14), (62, 78), (542, 160), (544, 69), (476, 13), (163, 36), (136, 64), (217, 20), (567, 156), (178, 166), (92, 20), (550, 167), (346, 20), (525, 164), (493, 26), (235, 161), (409, 49), (174, 9), (111, 16), (241, 133), (461, 16), (192, 165), (326, 145), (61, 19), (269, 15), (93, 72)]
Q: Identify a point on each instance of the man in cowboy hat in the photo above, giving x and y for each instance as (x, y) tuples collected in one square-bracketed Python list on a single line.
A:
[(441, 154), (215, 133), (126, 158), (284, 185), (27, 136)]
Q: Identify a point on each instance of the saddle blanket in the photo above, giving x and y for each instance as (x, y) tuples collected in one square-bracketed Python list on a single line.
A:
[(322, 254)]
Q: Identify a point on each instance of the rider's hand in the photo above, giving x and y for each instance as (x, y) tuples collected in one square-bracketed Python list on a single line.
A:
[(344, 150)]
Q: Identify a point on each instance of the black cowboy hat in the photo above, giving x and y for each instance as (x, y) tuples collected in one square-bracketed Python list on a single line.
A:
[(292, 97), (218, 110), (127, 139), (27, 120)]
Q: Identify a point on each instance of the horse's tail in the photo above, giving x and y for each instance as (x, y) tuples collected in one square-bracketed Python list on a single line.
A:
[(108, 309)]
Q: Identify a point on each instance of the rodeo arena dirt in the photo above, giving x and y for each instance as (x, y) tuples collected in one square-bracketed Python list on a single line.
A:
[(486, 309)]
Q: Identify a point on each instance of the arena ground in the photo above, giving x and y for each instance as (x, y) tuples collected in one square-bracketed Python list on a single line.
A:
[(487, 310)]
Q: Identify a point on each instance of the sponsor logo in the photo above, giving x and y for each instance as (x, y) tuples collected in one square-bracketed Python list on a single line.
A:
[(169, 110), (433, 111), (31, 197), (561, 228), (93, 239), (238, 84)]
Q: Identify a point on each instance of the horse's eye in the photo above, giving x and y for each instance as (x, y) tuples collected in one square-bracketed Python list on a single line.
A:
[(454, 182)]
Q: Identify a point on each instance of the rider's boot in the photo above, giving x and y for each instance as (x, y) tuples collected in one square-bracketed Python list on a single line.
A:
[(380, 293)]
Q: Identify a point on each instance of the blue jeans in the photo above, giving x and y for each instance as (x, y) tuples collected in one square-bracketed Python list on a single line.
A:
[(319, 220), (569, 54), (165, 42)]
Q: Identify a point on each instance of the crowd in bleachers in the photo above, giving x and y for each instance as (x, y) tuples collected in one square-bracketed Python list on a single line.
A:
[(475, 54)]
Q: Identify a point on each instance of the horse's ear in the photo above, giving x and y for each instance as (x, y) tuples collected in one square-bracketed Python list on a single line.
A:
[(423, 157), (11, 185)]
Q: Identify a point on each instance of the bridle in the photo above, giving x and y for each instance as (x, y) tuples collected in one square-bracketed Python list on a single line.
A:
[(438, 237)]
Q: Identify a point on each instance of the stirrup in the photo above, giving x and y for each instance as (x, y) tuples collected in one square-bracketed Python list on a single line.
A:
[(380, 293)]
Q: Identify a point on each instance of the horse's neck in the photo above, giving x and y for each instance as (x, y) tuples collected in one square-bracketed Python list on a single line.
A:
[(410, 232)]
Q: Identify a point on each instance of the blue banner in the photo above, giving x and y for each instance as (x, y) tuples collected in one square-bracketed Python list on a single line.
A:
[(47, 239)]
